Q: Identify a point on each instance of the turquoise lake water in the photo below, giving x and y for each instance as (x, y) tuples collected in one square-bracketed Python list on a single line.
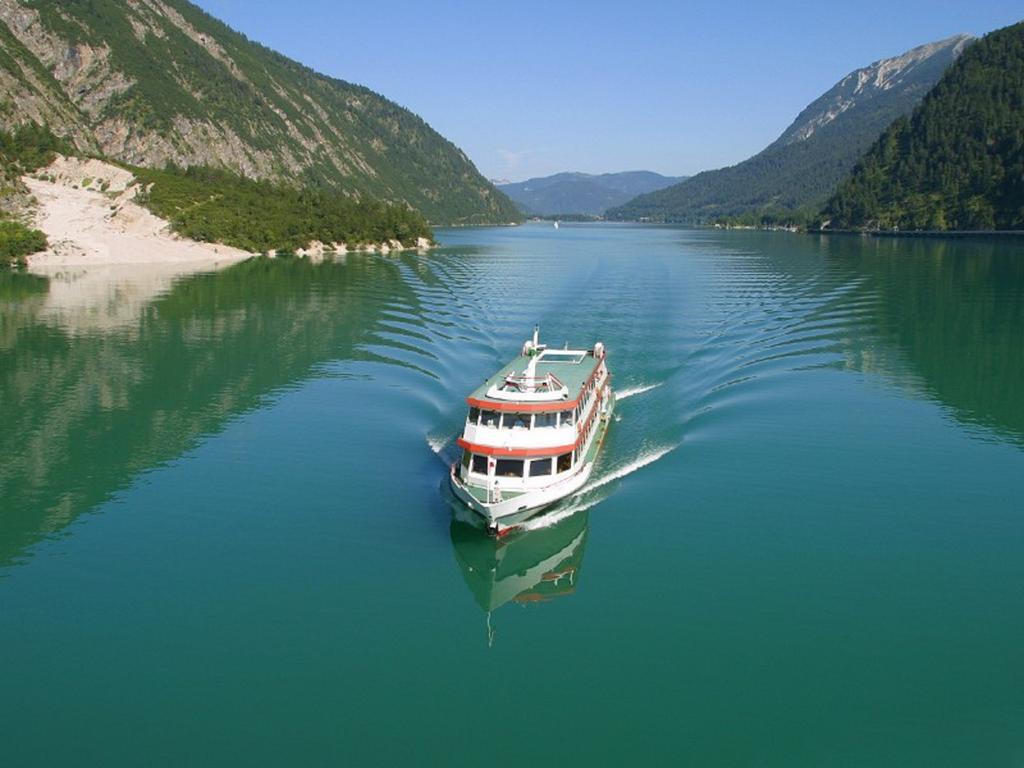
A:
[(225, 537)]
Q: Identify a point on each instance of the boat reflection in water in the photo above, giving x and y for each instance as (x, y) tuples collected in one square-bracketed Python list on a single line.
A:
[(531, 565)]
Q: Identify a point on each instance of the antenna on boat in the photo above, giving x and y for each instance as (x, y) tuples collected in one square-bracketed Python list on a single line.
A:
[(536, 336)]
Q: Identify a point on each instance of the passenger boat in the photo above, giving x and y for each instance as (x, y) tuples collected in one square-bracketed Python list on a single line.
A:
[(533, 432)]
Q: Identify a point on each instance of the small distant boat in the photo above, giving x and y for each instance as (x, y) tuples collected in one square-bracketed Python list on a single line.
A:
[(533, 432), (556, 225)]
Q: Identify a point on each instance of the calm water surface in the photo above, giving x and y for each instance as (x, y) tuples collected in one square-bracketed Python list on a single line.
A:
[(225, 537)]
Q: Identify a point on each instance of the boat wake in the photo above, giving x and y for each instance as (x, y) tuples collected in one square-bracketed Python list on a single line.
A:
[(639, 463), (558, 515), (442, 446), (587, 498), (637, 390)]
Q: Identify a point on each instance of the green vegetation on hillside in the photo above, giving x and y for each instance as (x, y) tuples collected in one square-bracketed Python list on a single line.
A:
[(18, 241), (575, 217), (213, 205), (158, 81), (778, 181), (29, 147), (771, 219), (958, 162), (804, 165), (21, 151)]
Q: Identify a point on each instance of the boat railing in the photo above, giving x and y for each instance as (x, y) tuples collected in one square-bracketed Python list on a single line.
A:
[(494, 494), (523, 383)]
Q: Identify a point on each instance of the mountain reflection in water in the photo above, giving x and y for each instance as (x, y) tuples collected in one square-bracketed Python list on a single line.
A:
[(103, 377)]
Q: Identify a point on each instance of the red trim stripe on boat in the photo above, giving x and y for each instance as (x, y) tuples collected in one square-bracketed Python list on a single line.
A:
[(513, 407), (581, 430), (490, 450)]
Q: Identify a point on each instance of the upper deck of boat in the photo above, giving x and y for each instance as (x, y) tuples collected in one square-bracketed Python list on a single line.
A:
[(572, 367)]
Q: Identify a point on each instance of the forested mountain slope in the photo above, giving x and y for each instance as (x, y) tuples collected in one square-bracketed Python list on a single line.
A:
[(151, 82), (958, 161)]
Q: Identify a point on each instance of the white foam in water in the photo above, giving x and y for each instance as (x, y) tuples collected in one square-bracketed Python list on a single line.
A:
[(441, 445), (579, 503), (437, 442), (637, 390), (546, 521), (639, 463)]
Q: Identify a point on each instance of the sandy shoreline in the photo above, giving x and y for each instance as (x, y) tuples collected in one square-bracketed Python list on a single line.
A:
[(101, 224)]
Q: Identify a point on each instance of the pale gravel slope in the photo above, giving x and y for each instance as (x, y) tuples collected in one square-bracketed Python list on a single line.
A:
[(87, 226)]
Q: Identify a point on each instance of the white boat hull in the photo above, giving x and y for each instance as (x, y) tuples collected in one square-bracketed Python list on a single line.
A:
[(521, 506)]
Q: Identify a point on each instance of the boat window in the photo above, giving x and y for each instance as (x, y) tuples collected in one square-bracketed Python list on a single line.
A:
[(568, 418), (540, 467), (510, 420), (474, 415), (509, 468), (480, 464), (489, 418), (466, 458), (565, 462), (544, 419)]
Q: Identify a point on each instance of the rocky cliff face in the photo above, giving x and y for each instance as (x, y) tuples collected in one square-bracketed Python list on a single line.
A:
[(155, 81), (911, 73)]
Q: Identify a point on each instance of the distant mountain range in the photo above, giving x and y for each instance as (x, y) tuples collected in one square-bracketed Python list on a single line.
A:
[(151, 82), (958, 161), (583, 192), (802, 168)]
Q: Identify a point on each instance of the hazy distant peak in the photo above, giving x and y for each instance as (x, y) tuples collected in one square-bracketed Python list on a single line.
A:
[(897, 72), (587, 193)]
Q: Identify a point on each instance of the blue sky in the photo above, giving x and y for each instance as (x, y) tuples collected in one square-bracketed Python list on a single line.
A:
[(532, 88)]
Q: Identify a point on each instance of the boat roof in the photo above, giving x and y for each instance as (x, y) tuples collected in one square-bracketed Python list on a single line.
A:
[(572, 367)]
